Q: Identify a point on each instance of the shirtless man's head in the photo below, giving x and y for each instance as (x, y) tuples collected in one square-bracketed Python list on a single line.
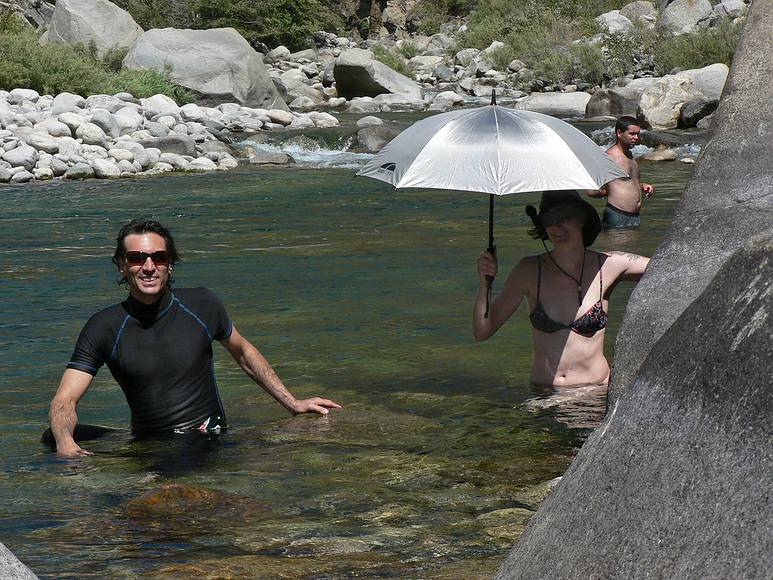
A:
[(627, 133)]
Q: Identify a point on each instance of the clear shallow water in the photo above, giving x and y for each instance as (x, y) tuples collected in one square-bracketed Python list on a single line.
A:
[(353, 291)]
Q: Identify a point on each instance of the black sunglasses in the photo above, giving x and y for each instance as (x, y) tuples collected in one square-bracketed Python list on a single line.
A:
[(160, 258), (558, 214)]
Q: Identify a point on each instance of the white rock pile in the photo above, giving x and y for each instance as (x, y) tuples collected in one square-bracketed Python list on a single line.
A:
[(109, 136)]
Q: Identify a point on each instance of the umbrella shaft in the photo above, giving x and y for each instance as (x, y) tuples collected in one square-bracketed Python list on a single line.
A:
[(490, 223)]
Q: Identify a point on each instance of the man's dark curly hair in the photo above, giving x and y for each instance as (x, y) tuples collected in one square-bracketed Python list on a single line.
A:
[(144, 226)]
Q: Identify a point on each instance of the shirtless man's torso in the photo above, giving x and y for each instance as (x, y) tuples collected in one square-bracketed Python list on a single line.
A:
[(624, 195)]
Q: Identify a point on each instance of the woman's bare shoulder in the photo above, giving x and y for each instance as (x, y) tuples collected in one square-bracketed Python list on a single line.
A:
[(527, 263)]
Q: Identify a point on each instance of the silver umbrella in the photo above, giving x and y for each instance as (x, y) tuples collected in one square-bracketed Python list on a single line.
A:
[(493, 150)]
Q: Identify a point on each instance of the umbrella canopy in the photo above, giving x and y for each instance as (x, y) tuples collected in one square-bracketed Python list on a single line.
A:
[(493, 150)]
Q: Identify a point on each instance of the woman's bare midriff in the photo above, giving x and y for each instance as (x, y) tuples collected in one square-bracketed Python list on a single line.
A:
[(565, 359)]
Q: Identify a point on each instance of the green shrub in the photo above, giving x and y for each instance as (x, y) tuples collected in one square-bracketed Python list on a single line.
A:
[(409, 49), (393, 60), (541, 33), (11, 21), (161, 13), (53, 69), (428, 16), (698, 49), (501, 57), (272, 22)]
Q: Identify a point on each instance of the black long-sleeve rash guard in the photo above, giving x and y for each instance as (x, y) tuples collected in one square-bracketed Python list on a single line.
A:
[(160, 355)]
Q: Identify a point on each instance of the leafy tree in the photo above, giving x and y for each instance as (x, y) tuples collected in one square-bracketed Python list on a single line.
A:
[(271, 22)]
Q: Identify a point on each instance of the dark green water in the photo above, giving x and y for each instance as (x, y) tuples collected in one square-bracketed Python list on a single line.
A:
[(353, 291)]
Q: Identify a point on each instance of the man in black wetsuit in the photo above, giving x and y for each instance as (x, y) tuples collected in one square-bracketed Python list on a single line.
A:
[(158, 347)]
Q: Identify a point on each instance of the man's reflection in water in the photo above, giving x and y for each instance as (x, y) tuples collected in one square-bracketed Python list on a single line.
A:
[(579, 407)]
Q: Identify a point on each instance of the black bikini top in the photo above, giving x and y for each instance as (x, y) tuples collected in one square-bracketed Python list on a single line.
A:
[(592, 321)]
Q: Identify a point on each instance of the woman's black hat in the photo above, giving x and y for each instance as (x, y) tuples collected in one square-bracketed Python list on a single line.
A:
[(591, 227)]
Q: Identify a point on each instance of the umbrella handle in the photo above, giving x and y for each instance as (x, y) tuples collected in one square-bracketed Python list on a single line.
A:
[(489, 282), (492, 249)]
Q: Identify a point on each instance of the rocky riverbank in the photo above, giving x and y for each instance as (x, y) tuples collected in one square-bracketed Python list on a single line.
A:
[(241, 92)]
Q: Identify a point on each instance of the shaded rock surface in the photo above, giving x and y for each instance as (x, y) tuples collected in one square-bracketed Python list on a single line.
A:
[(676, 482), (727, 201)]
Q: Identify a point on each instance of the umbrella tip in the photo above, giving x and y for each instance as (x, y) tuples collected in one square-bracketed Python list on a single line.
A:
[(493, 97)]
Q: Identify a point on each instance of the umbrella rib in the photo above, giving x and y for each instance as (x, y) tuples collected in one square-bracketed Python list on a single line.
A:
[(499, 153)]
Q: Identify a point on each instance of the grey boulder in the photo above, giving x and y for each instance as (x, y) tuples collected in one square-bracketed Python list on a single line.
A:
[(177, 144), (685, 16), (96, 22), (80, 170), (358, 74), (218, 63), (565, 105), (696, 109), (21, 156)]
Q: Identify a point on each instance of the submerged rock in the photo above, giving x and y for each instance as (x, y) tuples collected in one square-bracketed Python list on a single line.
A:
[(192, 501)]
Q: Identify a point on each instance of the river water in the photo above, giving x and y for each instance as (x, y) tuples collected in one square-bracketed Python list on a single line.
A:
[(353, 291)]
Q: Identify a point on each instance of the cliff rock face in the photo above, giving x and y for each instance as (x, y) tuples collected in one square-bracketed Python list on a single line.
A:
[(676, 481)]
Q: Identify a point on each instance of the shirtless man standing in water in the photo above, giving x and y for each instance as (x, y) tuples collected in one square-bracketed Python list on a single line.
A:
[(624, 194)]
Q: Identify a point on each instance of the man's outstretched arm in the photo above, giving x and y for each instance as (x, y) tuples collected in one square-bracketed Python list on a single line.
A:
[(259, 370), (601, 192), (62, 416)]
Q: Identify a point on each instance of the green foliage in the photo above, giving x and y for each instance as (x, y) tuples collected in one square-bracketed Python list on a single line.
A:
[(146, 83), (542, 33), (698, 49), (664, 52), (53, 69), (270, 21), (11, 22), (409, 49), (393, 60), (161, 13), (428, 16), (113, 58)]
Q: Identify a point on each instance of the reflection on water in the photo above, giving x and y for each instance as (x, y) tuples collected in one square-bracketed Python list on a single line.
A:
[(579, 407), (355, 292)]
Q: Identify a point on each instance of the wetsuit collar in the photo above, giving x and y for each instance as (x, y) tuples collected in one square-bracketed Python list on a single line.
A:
[(149, 312)]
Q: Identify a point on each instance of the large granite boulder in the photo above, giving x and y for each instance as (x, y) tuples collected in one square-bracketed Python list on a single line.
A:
[(685, 16), (660, 103), (617, 101), (358, 74), (640, 12), (614, 22), (11, 568), (676, 482), (92, 21), (564, 105), (218, 63), (709, 80)]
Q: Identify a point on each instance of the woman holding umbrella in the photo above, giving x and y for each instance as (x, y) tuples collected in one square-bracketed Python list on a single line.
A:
[(567, 288)]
